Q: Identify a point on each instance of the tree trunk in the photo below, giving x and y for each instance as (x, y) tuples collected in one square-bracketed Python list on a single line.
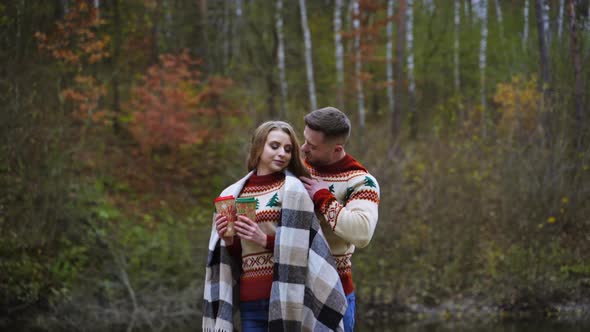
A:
[(543, 49), (579, 89), (483, 63), (456, 47), (525, 32), (389, 57), (411, 81), (500, 18), (499, 14), (430, 6), (560, 20), (308, 58), (202, 42), (96, 4), (237, 30), (227, 36), (400, 50), (281, 58), (339, 53), (358, 67), (115, 62), (156, 31)]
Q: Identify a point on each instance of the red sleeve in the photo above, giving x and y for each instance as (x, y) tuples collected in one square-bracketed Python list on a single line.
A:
[(236, 248), (321, 199), (270, 242)]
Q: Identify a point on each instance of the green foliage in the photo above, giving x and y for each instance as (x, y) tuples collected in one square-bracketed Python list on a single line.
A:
[(101, 221)]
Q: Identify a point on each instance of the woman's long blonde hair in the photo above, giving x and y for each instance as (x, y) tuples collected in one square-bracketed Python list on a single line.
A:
[(259, 139)]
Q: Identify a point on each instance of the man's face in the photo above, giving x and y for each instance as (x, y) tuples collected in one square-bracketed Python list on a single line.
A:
[(316, 149)]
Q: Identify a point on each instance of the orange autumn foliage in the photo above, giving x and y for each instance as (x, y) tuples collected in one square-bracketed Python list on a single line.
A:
[(172, 107), (76, 46)]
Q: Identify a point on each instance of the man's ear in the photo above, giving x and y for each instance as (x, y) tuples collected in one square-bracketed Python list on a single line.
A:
[(338, 148)]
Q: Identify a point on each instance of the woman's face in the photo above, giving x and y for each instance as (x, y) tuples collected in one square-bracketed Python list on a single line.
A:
[(276, 153)]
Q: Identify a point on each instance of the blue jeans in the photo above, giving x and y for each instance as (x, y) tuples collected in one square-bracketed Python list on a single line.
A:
[(348, 318), (254, 316)]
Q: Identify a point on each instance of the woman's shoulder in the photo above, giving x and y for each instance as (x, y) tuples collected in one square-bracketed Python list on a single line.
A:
[(236, 187), (293, 183)]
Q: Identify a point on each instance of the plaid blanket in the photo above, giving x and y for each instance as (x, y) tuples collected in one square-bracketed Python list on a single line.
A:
[(306, 293)]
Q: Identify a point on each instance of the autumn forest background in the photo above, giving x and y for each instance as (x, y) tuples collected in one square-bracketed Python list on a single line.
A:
[(122, 120)]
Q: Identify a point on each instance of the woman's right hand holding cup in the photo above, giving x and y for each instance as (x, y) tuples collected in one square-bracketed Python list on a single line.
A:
[(221, 227)]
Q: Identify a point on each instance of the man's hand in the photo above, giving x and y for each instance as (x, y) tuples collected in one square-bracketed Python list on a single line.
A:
[(312, 185)]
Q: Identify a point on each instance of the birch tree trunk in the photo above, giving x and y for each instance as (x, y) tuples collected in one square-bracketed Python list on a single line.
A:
[(456, 44), (429, 5), (389, 57), (400, 50), (411, 80), (237, 30), (281, 58), (579, 89), (499, 14), (483, 63), (525, 32), (358, 66), (546, 23), (543, 49), (308, 59), (544, 62), (96, 4), (339, 53), (560, 20)]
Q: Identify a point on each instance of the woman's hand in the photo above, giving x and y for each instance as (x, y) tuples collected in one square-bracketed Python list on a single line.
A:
[(221, 227), (249, 230)]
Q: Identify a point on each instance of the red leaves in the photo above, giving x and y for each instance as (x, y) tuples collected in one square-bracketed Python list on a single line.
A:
[(75, 45), (73, 40), (172, 107)]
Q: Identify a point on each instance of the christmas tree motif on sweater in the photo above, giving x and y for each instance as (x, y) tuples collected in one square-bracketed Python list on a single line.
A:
[(349, 191), (369, 182), (274, 201), (257, 203), (331, 188)]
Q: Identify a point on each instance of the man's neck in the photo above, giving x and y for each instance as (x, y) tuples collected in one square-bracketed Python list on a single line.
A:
[(338, 156)]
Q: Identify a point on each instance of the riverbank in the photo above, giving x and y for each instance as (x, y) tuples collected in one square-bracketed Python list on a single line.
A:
[(182, 311)]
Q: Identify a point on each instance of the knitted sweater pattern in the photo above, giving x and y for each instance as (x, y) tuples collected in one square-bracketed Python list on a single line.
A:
[(257, 261), (348, 211)]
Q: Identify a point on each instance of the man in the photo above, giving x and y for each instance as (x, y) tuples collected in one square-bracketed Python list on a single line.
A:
[(345, 195)]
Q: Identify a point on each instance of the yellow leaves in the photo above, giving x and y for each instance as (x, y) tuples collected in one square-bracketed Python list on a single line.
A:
[(551, 220), (518, 102)]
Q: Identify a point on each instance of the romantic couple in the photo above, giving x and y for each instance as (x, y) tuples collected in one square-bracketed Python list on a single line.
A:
[(290, 269)]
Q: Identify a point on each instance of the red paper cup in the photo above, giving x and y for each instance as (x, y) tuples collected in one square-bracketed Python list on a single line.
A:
[(226, 205)]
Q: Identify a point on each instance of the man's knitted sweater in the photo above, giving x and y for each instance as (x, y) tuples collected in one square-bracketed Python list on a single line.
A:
[(348, 210), (257, 261)]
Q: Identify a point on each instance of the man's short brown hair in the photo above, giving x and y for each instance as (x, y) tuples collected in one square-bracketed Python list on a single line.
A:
[(330, 121)]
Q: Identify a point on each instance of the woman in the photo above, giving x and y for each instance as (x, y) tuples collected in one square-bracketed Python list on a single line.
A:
[(265, 268)]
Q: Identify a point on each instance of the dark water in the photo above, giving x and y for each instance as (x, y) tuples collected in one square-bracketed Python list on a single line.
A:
[(520, 326)]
